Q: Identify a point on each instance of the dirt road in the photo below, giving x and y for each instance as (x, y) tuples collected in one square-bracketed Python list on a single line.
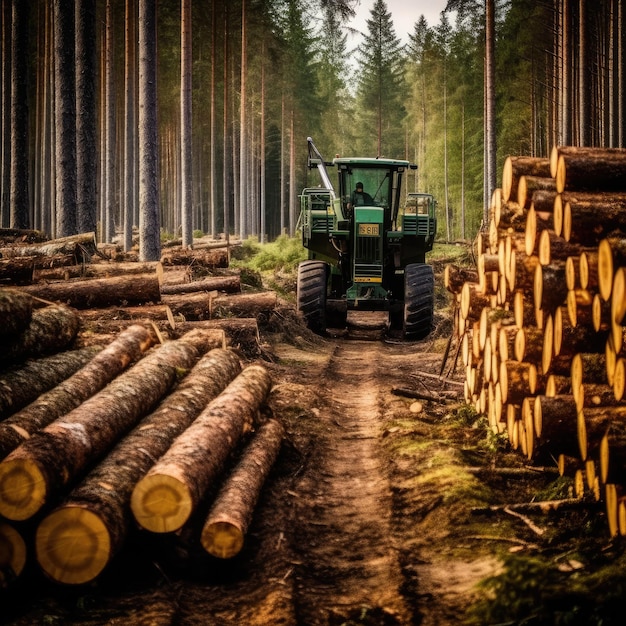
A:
[(336, 538)]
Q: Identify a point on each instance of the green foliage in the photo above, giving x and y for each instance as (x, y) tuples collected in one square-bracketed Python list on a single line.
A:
[(284, 253), (533, 590)]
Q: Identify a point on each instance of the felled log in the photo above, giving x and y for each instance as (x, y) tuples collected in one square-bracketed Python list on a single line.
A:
[(589, 217), (202, 258), (592, 425), (80, 386), (98, 270), (228, 520), (100, 292), (228, 284), (13, 554), (44, 465), (164, 499), (455, 276), (21, 235), (52, 329), (591, 169), (550, 288), (20, 386), (517, 166), (612, 454), (517, 380), (548, 409), (618, 308), (528, 185), (16, 311), (95, 514), (17, 271), (81, 247), (611, 255)]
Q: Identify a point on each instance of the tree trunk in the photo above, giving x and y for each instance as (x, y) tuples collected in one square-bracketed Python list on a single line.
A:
[(51, 329), (165, 498), (44, 465), (82, 246), (100, 270), (611, 255), (589, 217), (100, 292), (13, 554), (83, 384), (517, 166), (21, 386), (230, 284), (231, 513), (16, 312), (601, 170), (528, 185), (210, 259), (95, 514), (517, 380)]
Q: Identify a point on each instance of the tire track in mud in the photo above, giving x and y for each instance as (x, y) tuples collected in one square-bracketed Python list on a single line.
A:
[(347, 565)]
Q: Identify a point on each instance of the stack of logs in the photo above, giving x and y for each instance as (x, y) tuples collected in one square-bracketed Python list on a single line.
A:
[(135, 429), (541, 317), (184, 286)]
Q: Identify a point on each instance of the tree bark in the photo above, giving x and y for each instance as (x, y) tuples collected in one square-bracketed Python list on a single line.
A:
[(528, 185), (203, 258), (77, 540), (517, 166), (100, 292), (604, 170), (589, 217), (165, 498), (231, 513), (44, 465), (81, 246), (455, 276), (83, 384), (517, 380), (21, 386), (52, 328), (16, 312), (229, 284)]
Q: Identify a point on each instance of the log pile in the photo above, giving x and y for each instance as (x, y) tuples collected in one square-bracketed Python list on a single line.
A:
[(540, 320), (131, 409), (187, 285)]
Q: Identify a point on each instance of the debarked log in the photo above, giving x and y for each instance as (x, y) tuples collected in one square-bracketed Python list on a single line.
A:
[(52, 329), (44, 465), (231, 513), (165, 498), (100, 292), (80, 537), (21, 385), (83, 384)]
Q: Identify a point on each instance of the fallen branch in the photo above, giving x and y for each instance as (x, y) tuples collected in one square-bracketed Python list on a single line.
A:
[(442, 396), (544, 506)]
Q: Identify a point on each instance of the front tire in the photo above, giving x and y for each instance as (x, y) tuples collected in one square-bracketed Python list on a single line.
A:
[(311, 294), (419, 301)]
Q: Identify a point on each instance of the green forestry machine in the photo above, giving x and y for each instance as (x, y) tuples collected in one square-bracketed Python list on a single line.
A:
[(367, 250)]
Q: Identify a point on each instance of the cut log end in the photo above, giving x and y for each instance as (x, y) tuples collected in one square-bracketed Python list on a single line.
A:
[(73, 545), (222, 539), (161, 503), (23, 489), (12, 554)]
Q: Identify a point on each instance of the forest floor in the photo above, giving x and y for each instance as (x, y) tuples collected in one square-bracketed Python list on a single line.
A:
[(376, 512)]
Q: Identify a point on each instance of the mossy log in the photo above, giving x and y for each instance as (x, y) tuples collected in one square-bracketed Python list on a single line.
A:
[(21, 385), (83, 384), (52, 329), (47, 463), (230, 515), (78, 539), (165, 498)]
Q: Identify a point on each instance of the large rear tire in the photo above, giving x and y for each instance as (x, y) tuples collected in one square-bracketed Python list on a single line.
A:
[(419, 301), (311, 294)]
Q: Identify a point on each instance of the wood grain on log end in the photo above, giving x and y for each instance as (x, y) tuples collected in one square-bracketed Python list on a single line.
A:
[(12, 554), (222, 539), (73, 545), (23, 488), (161, 503)]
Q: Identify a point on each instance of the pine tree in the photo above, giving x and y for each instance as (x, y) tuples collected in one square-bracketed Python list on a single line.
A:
[(380, 86)]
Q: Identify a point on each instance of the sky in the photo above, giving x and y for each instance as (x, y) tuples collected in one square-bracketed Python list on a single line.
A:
[(404, 14)]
